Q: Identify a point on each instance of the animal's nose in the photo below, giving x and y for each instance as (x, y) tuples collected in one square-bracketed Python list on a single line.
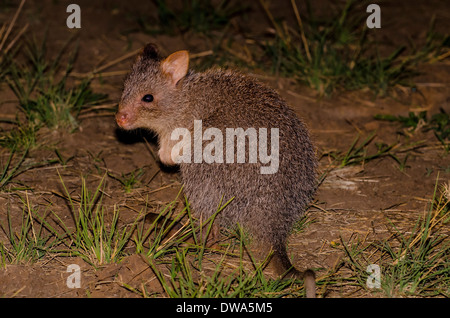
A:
[(121, 118)]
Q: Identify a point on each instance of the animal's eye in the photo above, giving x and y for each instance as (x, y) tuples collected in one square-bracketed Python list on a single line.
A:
[(147, 98)]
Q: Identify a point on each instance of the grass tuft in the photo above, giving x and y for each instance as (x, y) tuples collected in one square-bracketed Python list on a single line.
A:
[(358, 153), (439, 123), (129, 180), (9, 48), (335, 53), (198, 16), (31, 242), (95, 239), (42, 91), (412, 263)]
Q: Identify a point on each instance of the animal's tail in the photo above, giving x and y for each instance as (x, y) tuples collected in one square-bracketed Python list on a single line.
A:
[(284, 265)]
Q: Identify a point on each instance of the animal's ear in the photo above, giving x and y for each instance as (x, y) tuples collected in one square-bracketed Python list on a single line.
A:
[(176, 66), (150, 51)]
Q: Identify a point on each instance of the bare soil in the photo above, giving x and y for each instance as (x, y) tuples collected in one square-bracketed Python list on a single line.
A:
[(356, 200)]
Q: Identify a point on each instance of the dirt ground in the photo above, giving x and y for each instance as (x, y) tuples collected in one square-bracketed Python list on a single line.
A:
[(356, 200)]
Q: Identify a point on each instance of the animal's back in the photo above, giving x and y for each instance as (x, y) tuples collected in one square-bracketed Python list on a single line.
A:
[(265, 204)]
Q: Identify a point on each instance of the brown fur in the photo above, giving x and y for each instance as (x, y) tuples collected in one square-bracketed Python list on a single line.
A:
[(266, 205)]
